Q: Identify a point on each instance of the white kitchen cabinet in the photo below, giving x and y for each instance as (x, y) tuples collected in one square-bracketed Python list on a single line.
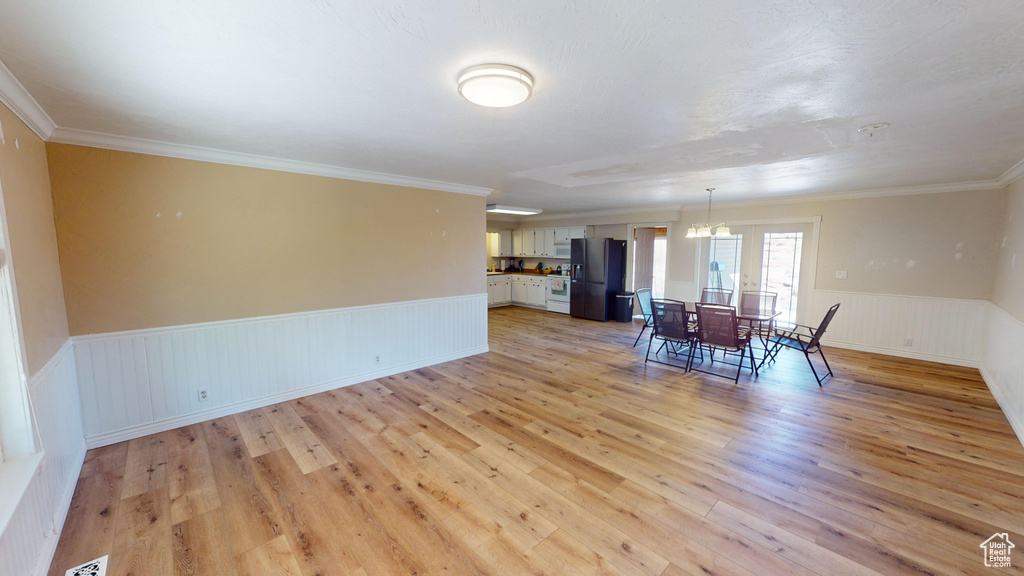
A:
[(493, 244), (536, 292), (548, 243), (577, 232), (506, 290), (517, 243), (529, 243), (499, 290), (520, 292), (561, 234), (505, 243)]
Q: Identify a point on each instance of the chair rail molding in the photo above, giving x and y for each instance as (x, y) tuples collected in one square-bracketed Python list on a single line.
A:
[(146, 381)]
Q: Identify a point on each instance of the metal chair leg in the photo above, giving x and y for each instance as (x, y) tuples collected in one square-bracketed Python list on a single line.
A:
[(642, 328), (648, 356), (822, 352), (807, 355), (739, 365)]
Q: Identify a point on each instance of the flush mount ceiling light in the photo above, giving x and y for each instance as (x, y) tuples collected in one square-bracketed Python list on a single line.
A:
[(706, 229), (495, 85), (502, 209)]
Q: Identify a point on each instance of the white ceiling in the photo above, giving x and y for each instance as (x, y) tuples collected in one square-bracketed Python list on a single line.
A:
[(636, 102)]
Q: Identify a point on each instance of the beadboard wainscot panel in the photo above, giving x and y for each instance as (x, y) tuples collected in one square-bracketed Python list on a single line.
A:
[(1002, 365), (145, 381), (30, 539), (946, 330)]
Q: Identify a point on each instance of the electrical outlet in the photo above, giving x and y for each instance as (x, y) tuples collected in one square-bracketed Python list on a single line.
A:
[(376, 359), (203, 395), (841, 274), (908, 341)]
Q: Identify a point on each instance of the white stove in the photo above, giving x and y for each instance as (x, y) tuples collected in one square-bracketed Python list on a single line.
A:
[(558, 294)]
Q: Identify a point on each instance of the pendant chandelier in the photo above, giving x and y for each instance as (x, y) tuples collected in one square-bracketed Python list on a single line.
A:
[(706, 229)]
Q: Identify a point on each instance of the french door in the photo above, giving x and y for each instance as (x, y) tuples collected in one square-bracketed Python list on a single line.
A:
[(763, 258)]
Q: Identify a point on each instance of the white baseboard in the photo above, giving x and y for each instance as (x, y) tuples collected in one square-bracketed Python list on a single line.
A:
[(130, 433)]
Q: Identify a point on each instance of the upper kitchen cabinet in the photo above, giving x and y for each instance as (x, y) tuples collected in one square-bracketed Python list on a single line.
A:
[(545, 240), (505, 243), (493, 245), (542, 242), (529, 243), (499, 244)]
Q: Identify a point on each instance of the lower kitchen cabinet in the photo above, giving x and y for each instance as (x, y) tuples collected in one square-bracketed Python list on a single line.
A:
[(499, 290), (536, 292), (523, 289), (519, 290)]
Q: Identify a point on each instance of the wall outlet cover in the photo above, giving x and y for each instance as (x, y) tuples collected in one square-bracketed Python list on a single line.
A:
[(203, 395), (841, 274), (97, 567)]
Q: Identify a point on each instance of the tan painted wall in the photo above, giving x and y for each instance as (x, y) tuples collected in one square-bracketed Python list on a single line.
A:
[(1008, 292), (247, 242), (29, 208), (875, 240)]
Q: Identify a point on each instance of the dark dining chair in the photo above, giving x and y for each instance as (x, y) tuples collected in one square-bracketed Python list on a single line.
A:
[(643, 297), (754, 303), (806, 339), (672, 328), (719, 329), (716, 296)]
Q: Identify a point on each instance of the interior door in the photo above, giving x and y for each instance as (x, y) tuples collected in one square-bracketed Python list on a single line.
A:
[(763, 258)]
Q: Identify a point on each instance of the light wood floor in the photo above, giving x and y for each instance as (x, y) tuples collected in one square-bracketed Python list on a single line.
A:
[(561, 453)]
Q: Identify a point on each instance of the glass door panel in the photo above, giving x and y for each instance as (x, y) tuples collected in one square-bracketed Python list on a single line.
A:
[(761, 258)]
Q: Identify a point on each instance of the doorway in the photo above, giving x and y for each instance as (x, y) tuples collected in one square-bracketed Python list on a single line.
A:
[(650, 258), (763, 258)]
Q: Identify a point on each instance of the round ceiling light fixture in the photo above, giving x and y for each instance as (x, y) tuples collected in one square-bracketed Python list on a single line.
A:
[(495, 85)]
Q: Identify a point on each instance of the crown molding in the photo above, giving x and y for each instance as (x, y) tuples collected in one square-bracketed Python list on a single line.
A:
[(186, 152), (1016, 172), (14, 95), (855, 194)]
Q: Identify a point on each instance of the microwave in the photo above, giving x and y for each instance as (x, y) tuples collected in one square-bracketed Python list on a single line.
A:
[(563, 251)]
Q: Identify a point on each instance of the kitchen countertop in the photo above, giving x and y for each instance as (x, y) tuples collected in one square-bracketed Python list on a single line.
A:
[(528, 273)]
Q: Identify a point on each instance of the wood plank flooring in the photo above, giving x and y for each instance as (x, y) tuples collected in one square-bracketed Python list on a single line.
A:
[(559, 453)]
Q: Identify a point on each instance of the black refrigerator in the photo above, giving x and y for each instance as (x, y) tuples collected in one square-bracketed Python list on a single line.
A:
[(597, 273)]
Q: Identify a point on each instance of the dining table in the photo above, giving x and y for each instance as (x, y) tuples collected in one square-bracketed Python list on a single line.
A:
[(764, 319)]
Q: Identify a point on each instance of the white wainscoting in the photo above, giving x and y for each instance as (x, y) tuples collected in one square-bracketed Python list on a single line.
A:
[(1002, 365), (145, 381), (946, 330), (30, 539)]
